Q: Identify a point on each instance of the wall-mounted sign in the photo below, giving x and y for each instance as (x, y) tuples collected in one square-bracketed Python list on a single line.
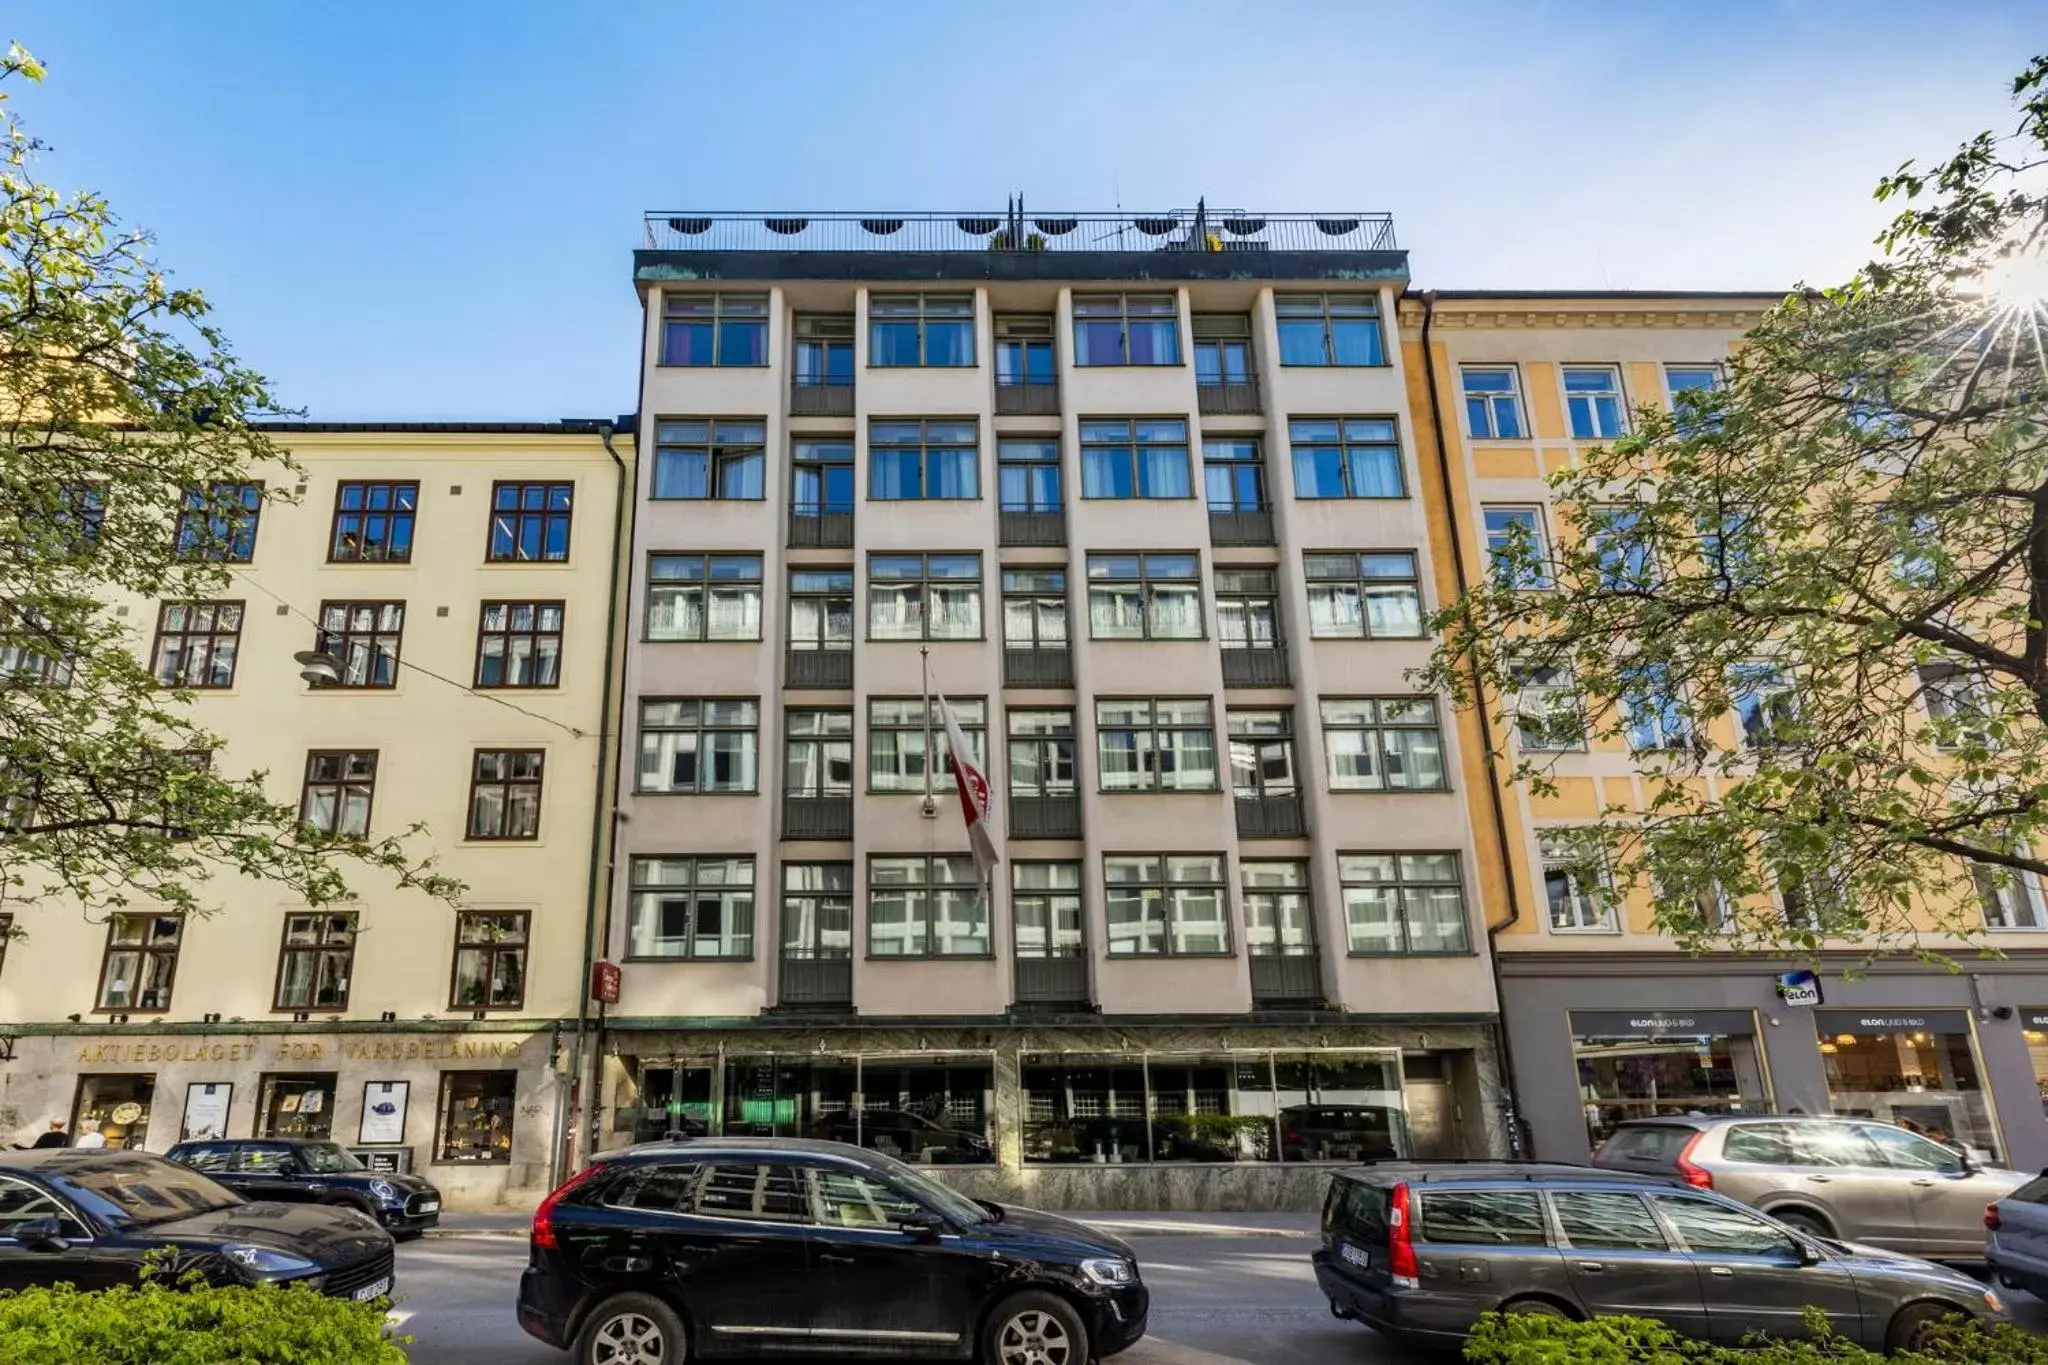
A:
[(206, 1111), (1800, 989), (384, 1111), (385, 1160), (1893, 1021), (604, 982), (1654, 1023), (2034, 1020)]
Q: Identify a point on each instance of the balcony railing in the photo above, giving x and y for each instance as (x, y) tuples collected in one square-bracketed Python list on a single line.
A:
[(1052, 980), (1254, 667), (816, 398), (816, 982), (1290, 979), (817, 817), (1038, 668), (1045, 817), (821, 668), (1270, 815), (1027, 400), (815, 527), (1032, 528), (1228, 396), (1253, 527), (1042, 230)]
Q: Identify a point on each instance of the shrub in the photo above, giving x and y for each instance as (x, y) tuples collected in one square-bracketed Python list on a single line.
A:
[(1511, 1339), (154, 1324)]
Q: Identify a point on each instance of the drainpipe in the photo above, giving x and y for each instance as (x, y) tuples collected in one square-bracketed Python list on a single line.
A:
[(1516, 1145)]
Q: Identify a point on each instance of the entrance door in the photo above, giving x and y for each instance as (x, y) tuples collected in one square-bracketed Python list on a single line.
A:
[(1430, 1130)]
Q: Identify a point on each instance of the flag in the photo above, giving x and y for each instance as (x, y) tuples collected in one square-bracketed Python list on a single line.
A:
[(973, 785)]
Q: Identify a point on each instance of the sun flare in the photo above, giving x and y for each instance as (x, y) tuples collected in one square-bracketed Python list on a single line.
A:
[(2019, 280)]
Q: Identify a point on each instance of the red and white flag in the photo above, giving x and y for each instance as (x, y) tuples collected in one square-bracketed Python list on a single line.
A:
[(973, 785)]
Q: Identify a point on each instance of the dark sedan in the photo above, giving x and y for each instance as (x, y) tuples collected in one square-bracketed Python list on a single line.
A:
[(91, 1218), (295, 1172)]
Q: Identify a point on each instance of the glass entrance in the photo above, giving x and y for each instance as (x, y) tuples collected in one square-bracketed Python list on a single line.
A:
[(1638, 1064)]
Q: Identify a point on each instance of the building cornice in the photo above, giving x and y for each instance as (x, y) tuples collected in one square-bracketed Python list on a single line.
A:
[(1647, 312)]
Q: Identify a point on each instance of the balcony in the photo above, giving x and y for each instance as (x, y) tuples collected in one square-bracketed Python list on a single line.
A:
[(1038, 668), (1254, 527), (1225, 397), (817, 817), (1293, 980), (816, 983), (1254, 667), (825, 528), (1013, 232), (820, 668), (1053, 981), (820, 398), (1045, 817), (1028, 399), (1270, 815), (1032, 527)]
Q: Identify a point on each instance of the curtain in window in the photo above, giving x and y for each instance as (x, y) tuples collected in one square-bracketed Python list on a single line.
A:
[(1164, 472)]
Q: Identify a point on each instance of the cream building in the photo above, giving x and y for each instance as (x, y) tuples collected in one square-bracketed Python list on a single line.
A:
[(1147, 491), (462, 575)]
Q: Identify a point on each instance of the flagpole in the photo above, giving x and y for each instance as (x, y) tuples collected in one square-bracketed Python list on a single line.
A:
[(924, 665)]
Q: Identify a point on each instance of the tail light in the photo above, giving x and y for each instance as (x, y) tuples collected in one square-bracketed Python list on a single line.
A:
[(544, 1216), (1699, 1177), (1991, 1219), (1401, 1240)]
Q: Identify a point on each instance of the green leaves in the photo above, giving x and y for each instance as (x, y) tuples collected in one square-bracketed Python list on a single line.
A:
[(156, 1324)]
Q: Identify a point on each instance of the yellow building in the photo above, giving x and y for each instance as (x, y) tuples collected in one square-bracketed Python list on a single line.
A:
[(1605, 1018), (462, 576)]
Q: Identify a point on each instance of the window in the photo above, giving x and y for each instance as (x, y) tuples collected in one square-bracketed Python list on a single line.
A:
[(218, 522), (1045, 907), (1652, 709), (339, 785), (141, 961), (756, 1194), (1596, 1220), (926, 907), (1329, 329), (475, 1123), (1024, 351), (2011, 899), (1904, 1151), (32, 653), (698, 746), (1144, 597), (1035, 608), (1516, 551), (1575, 883), (316, 961), (1126, 329), (1493, 405), (692, 908), (821, 478), (504, 794), (1247, 614), (824, 350), (1166, 906), (1403, 902), (1384, 744), (363, 638), (1714, 1229), (1621, 549), (530, 522), (1371, 596), (817, 911), (933, 460), (1042, 752), (1163, 745), (1223, 349), (1028, 475), (1547, 712), (1125, 458), (897, 729), (921, 329), (519, 644), (1261, 752), (924, 597), (1766, 706), (703, 597), (1278, 919), (21, 1202), (1959, 702), (1234, 475), (725, 460), (1684, 379), (1347, 457), (817, 754), (490, 960), (1592, 399), (821, 609), (1481, 1218), (291, 1107), (1813, 900), (714, 329), (373, 522), (196, 644)]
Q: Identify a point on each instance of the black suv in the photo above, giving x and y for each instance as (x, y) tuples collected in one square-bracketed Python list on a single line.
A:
[(1421, 1249), (716, 1247), (296, 1172)]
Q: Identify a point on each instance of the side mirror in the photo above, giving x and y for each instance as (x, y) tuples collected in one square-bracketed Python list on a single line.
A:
[(920, 1225), (287, 1168), (1809, 1254), (41, 1234)]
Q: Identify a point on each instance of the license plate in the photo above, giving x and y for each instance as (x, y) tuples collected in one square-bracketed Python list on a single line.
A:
[(373, 1291), (430, 1206), (1357, 1256)]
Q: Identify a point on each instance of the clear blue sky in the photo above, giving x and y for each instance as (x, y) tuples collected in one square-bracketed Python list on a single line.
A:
[(426, 210)]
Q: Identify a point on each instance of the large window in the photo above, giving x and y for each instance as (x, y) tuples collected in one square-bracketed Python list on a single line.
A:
[(364, 640), (1145, 597), (1765, 702), (1171, 905), (700, 746), (530, 522), (32, 652), (928, 1109), (817, 753), (141, 962), (1330, 329), (1126, 329), (1592, 399), (1045, 906), (1024, 354), (196, 644), (926, 907), (490, 960), (1124, 458), (1234, 474), (821, 477), (1279, 919), (120, 1106), (824, 350), (1384, 744), (931, 460), (1548, 715), (476, 1118), (1576, 885), (714, 329), (1156, 745), (921, 329), (1247, 611), (2010, 899), (1913, 1068), (504, 793), (1640, 1064), (339, 785), (373, 522), (821, 609), (1493, 404), (725, 459), (1035, 608), (1346, 457), (692, 908), (218, 522), (519, 644), (1223, 349), (316, 961), (1261, 752), (1041, 751), (1403, 902), (1517, 553), (1653, 710), (897, 729), (1684, 379), (817, 911), (703, 597), (1371, 596), (289, 1107), (924, 597), (1028, 474)]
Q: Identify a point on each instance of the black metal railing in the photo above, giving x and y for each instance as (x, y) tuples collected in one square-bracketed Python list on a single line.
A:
[(1028, 399), (812, 526), (1197, 229), (1270, 815), (1045, 817), (1217, 396), (1253, 527), (821, 398), (824, 668), (817, 817), (1038, 668), (816, 981), (1289, 979), (1052, 980), (1032, 528), (1254, 667)]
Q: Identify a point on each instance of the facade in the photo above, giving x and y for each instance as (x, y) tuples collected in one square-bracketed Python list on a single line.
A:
[(1149, 515), (462, 578), (1605, 1019)]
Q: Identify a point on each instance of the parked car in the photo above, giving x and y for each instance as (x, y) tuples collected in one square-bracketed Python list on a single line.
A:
[(717, 1247), (296, 1172), (2016, 1237), (1856, 1179), (1419, 1250), (89, 1217)]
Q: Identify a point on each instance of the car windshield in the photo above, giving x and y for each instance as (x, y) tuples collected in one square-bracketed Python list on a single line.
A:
[(329, 1158), (957, 1207), (142, 1193)]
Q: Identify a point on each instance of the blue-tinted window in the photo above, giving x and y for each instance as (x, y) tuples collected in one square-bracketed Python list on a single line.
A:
[(1347, 457), (1126, 329), (1493, 409), (1329, 329), (1029, 474), (936, 459), (373, 522), (714, 329), (1126, 458), (530, 522), (921, 329), (219, 522), (710, 460)]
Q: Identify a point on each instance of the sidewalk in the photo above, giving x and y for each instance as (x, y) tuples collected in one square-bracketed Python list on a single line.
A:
[(1122, 1222)]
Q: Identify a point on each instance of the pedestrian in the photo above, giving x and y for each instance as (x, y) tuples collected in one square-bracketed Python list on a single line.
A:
[(89, 1134), (55, 1137)]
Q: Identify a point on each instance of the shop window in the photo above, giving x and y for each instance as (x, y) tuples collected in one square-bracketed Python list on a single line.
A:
[(118, 1106), (928, 1110), (1917, 1071), (296, 1106), (1632, 1073), (675, 1102), (1084, 1109), (477, 1108), (773, 1096), (1338, 1107)]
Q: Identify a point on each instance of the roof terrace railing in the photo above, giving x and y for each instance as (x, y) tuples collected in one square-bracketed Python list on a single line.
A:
[(1198, 229)]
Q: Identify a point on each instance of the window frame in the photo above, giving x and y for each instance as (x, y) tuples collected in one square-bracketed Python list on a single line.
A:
[(510, 786), (1601, 897), (1591, 399), (1379, 726), (185, 634), (923, 318), (1038, 597), (1270, 900), (817, 331), (1227, 335), (1240, 601), (924, 582), (792, 942), (1147, 585), (1093, 301), (1065, 927), (1130, 450), (1026, 333), (1029, 466), (1256, 743), (341, 787), (1163, 883), (639, 889), (147, 949), (1318, 306), (803, 462), (930, 888), (1152, 729), (702, 585), (1544, 577), (394, 514), (924, 447), (971, 727), (1490, 398), (1348, 448), (1403, 919), (727, 445), (1045, 745), (536, 637), (545, 516), (1254, 465), (825, 741), (850, 596), (701, 727), (1367, 588), (490, 948), (206, 525), (341, 643), (320, 950), (742, 303)]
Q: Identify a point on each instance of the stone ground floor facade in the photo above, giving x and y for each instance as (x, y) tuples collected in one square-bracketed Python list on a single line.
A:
[(1098, 1114), (477, 1109)]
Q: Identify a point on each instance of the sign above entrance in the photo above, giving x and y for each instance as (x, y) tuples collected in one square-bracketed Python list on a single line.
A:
[(2034, 1020), (1800, 989), (1892, 1021), (1661, 1023)]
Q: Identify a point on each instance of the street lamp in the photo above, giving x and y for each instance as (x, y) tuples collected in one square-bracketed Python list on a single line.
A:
[(318, 667)]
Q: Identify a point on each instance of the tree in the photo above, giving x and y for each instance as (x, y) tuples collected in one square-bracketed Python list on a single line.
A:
[(1814, 601), (127, 454)]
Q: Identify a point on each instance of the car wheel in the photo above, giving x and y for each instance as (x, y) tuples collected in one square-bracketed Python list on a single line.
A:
[(1035, 1329), (1915, 1326), (1534, 1308), (1799, 1220), (632, 1329)]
